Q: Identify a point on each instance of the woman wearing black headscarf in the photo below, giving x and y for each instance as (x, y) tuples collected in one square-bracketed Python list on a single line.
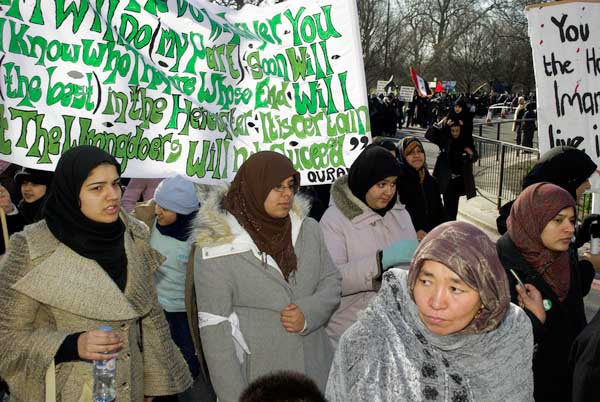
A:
[(366, 231), (84, 267), (454, 164), (265, 283), (418, 190), (461, 116), (34, 186)]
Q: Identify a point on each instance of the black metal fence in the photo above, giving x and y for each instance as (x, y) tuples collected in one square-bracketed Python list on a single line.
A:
[(501, 167)]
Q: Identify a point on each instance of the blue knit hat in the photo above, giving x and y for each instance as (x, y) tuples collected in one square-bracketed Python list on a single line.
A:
[(177, 194)]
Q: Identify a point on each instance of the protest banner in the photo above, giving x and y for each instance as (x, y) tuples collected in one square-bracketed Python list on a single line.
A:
[(406, 93), (380, 89), (183, 87), (565, 38), (385, 86), (449, 86)]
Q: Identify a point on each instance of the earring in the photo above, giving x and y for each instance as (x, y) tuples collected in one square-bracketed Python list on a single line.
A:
[(479, 311)]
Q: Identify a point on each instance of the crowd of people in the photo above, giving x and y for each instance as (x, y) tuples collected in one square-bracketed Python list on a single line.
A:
[(389, 113), (237, 294)]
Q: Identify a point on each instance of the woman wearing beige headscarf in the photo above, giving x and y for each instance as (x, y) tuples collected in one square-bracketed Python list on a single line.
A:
[(265, 283), (445, 330)]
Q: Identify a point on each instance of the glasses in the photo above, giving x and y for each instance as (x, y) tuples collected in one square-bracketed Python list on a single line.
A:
[(293, 187)]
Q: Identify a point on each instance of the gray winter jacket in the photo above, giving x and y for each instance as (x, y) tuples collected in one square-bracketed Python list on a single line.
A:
[(230, 277)]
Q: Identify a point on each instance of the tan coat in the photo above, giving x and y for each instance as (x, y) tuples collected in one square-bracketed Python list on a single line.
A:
[(48, 291)]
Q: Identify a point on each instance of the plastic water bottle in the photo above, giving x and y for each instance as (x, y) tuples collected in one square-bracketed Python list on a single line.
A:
[(105, 372)]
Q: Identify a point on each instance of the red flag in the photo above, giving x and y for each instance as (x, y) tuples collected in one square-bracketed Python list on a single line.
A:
[(420, 84)]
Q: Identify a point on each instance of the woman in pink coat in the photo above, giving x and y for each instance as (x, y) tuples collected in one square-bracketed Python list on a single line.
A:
[(366, 231)]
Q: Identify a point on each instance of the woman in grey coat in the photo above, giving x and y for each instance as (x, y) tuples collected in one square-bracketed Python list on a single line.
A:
[(265, 283), (444, 331)]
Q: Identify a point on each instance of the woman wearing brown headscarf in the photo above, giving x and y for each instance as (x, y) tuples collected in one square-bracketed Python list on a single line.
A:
[(265, 284), (540, 230), (445, 330)]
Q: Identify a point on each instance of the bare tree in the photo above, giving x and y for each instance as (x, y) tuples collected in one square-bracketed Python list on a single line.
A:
[(469, 41)]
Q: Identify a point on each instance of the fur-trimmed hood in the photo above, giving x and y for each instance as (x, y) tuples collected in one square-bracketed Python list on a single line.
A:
[(214, 226), (348, 204)]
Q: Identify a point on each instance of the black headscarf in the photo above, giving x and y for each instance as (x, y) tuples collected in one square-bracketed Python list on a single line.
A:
[(565, 166), (32, 212), (102, 242), (374, 164)]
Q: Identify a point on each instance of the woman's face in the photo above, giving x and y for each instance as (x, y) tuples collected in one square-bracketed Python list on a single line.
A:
[(416, 158), (164, 217), (100, 194), (558, 233), (455, 131), (457, 109), (32, 191), (381, 193), (581, 189), (281, 198), (445, 302)]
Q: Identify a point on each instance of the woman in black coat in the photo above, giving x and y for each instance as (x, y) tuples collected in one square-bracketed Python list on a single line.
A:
[(454, 165), (536, 247), (417, 189), (528, 125)]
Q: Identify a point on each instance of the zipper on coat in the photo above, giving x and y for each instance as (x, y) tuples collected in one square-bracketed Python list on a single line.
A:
[(263, 257)]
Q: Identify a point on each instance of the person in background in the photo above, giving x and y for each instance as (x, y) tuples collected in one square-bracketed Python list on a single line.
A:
[(366, 231), (387, 144), (138, 190), (529, 125), (283, 386), (443, 331), (454, 165), (265, 284), (7, 179), (541, 226), (34, 185), (175, 205), (84, 266), (418, 190), (461, 115), (518, 124), (389, 116)]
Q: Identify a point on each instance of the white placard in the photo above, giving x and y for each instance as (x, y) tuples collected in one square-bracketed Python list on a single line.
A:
[(565, 38)]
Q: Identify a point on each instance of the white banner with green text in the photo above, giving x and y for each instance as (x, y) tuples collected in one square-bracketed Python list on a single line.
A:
[(181, 86)]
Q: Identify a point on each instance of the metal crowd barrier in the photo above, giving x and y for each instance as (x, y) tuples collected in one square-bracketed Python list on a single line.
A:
[(501, 167)]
